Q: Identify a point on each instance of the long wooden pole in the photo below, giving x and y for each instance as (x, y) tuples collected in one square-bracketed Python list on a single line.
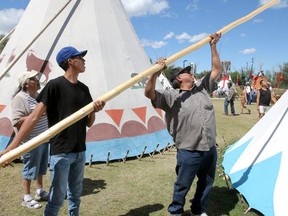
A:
[(51, 132)]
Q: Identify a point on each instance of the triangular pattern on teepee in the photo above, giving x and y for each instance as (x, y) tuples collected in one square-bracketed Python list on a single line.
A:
[(116, 115), (114, 56), (141, 113)]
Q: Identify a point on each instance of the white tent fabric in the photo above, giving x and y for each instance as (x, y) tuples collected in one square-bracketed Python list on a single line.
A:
[(128, 122), (257, 164)]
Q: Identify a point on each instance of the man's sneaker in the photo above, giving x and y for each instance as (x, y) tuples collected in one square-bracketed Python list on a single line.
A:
[(42, 196), (31, 204), (202, 214)]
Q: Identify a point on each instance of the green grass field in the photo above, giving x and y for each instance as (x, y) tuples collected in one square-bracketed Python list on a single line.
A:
[(140, 187)]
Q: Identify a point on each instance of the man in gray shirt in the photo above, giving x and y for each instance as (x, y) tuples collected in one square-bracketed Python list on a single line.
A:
[(190, 119)]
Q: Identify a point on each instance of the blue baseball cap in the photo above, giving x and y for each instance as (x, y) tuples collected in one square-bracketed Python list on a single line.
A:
[(67, 52)]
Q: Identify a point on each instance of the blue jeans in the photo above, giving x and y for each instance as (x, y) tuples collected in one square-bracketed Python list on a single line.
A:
[(226, 103), (67, 172), (190, 164)]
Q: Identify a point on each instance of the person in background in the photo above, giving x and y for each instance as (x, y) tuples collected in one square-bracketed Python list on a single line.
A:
[(230, 92), (60, 98), (264, 98), (35, 162), (244, 100), (190, 119), (249, 93)]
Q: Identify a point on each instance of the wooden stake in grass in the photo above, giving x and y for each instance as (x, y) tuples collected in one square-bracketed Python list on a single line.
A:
[(51, 132), (125, 158), (143, 152)]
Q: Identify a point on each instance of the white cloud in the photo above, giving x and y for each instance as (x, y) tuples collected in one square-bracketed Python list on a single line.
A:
[(144, 7), (169, 35), (281, 4), (198, 37), (185, 36), (9, 19), (192, 6), (257, 20), (182, 37), (154, 44), (248, 51)]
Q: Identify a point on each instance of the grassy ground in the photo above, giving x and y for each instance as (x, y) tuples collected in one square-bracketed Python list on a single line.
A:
[(139, 188)]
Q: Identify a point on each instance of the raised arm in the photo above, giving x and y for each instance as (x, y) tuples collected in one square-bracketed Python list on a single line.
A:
[(151, 82), (216, 63)]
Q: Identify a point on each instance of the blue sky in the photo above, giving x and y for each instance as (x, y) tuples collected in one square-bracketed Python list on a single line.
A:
[(165, 27)]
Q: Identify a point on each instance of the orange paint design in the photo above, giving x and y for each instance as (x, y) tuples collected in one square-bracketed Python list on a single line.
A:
[(141, 113), (2, 107), (116, 115)]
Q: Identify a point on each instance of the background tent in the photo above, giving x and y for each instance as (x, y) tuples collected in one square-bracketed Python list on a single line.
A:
[(128, 122), (257, 164)]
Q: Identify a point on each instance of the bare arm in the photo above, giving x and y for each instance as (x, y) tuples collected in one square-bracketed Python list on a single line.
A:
[(150, 87), (26, 127), (98, 105), (273, 98), (151, 82), (258, 99), (216, 63), (20, 122)]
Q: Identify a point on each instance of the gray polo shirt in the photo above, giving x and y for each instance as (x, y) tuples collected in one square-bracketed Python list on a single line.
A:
[(190, 115)]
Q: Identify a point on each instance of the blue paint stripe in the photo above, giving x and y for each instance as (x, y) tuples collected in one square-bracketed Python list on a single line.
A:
[(257, 183), (3, 142), (230, 158), (135, 145), (118, 147)]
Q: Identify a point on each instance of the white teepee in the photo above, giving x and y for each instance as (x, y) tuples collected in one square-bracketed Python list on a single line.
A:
[(128, 122)]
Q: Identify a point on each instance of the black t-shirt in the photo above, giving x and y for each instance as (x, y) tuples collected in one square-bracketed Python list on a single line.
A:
[(265, 97), (62, 98)]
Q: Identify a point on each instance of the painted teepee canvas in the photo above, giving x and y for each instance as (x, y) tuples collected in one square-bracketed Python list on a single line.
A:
[(129, 122), (257, 163)]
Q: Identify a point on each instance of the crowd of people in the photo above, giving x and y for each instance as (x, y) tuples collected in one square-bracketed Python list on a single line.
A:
[(262, 97)]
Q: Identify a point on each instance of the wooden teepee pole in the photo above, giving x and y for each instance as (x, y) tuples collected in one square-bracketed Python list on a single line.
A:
[(45, 136)]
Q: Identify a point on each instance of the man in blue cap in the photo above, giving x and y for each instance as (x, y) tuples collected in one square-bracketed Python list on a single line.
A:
[(60, 98), (190, 120)]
